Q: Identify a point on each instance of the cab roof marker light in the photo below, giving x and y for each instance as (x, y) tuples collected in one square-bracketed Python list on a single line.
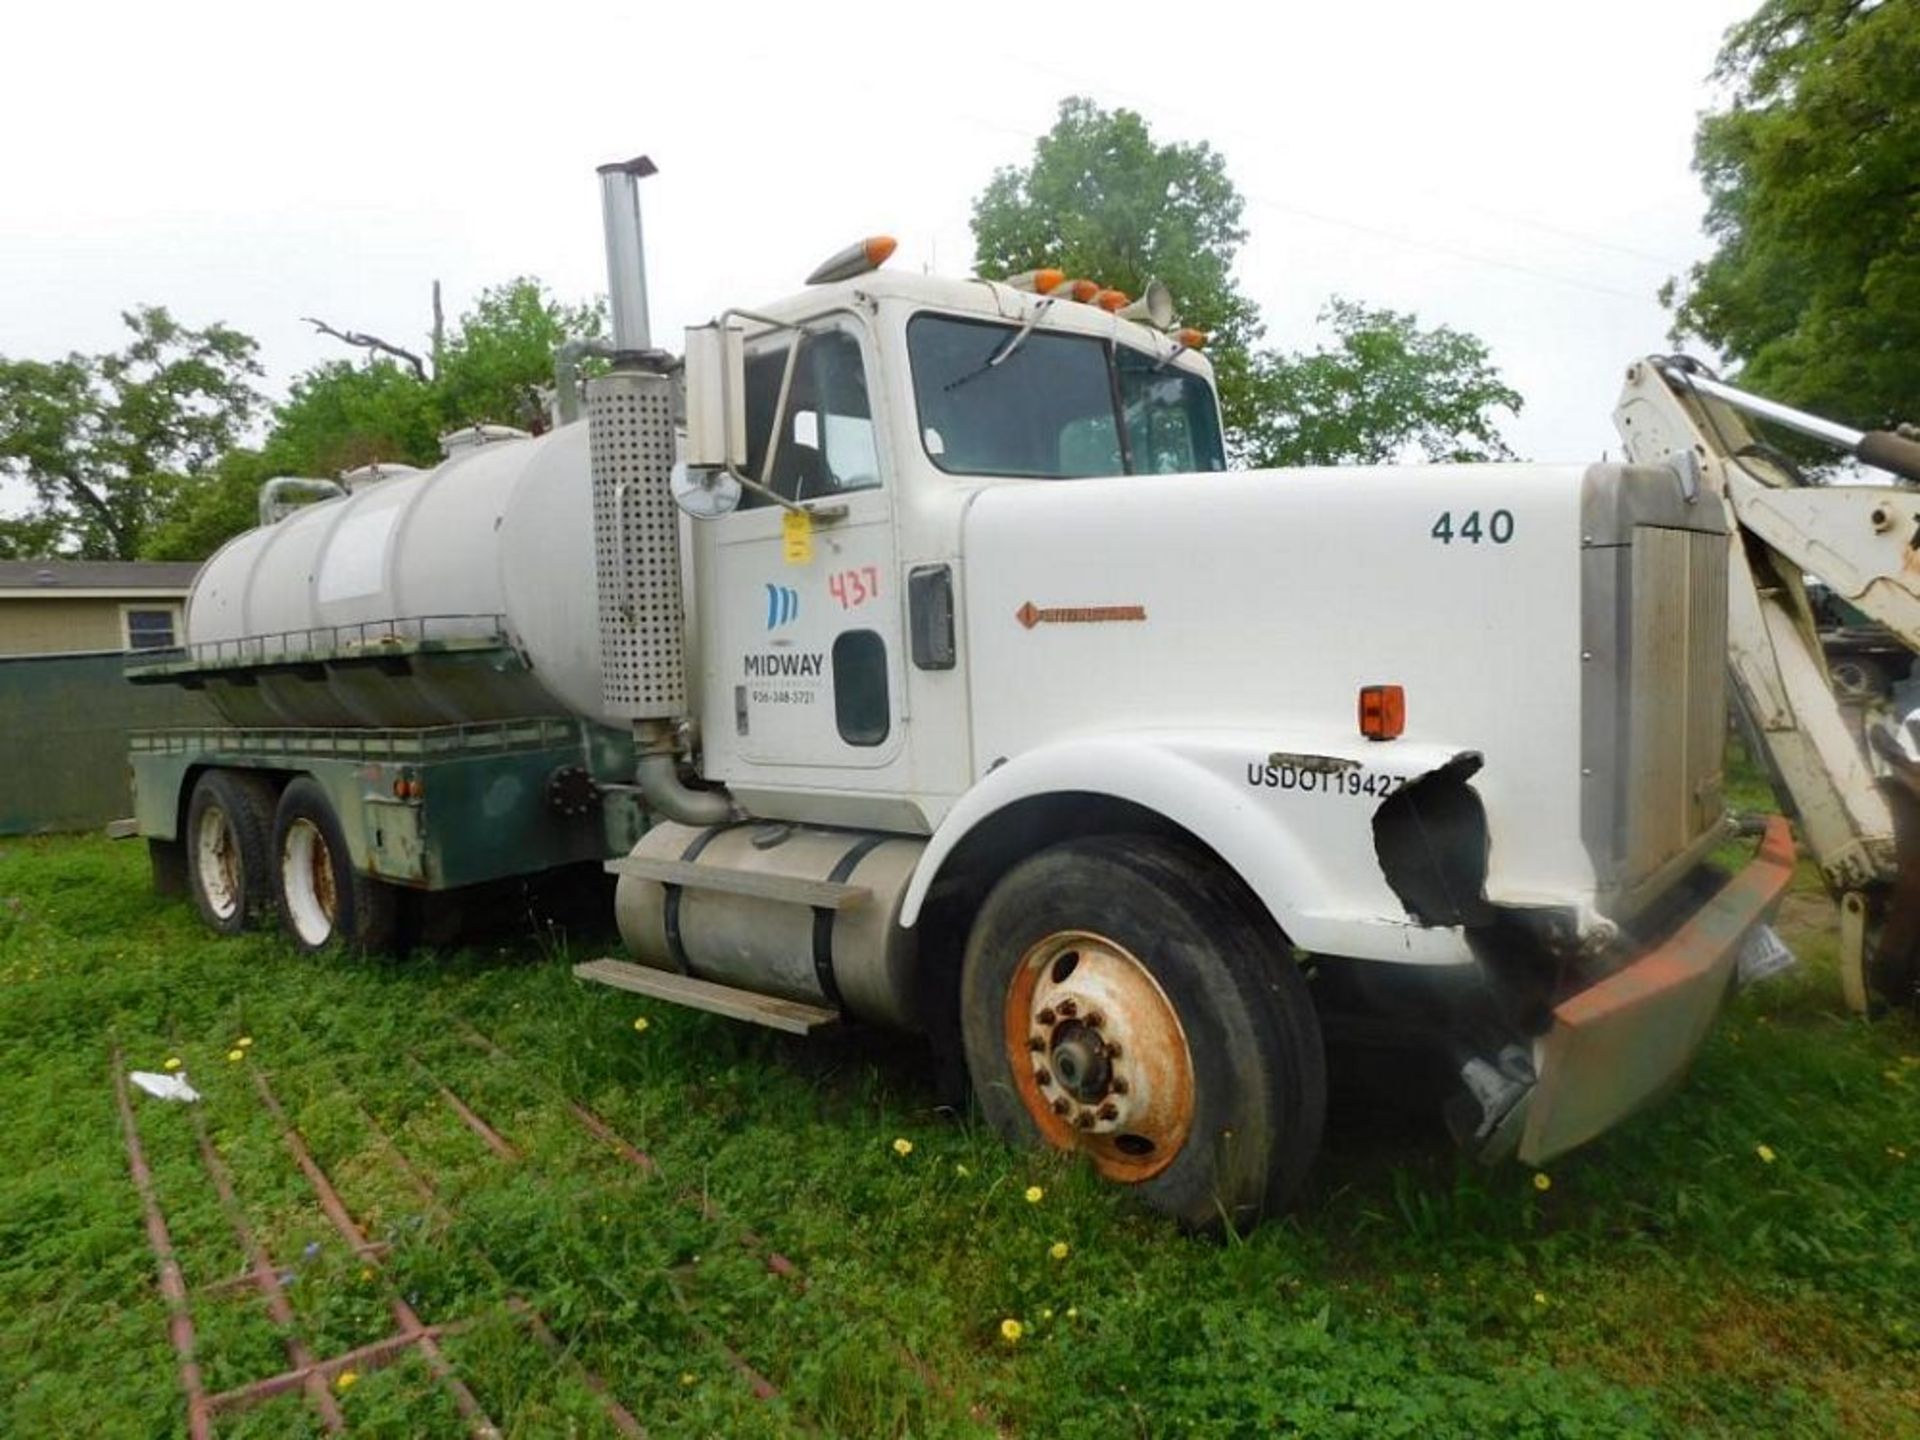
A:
[(1040, 282), (859, 258), (1111, 300), (1191, 339)]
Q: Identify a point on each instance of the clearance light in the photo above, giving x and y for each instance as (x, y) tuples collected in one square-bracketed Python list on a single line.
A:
[(1110, 300), (1383, 711), (857, 259), (1041, 282), (1191, 339), (1080, 290)]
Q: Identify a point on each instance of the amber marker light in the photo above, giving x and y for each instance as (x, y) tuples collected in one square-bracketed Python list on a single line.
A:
[(1040, 282), (1383, 711), (857, 259), (1191, 339), (1110, 300)]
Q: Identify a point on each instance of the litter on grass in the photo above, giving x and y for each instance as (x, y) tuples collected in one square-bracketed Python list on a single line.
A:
[(1763, 955), (165, 1087)]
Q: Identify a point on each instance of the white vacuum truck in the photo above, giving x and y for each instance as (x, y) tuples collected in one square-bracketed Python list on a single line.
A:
[(915, 657)]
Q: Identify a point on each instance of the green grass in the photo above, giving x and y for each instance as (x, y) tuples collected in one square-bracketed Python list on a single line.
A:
[(1669, 1280)]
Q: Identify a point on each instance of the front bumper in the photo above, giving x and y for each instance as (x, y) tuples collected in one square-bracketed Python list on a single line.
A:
[(1623, 1042)]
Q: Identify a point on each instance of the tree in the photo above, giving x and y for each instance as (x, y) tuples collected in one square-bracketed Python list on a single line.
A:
[(1102, 199), (105, 442), (497, 365), (1812, 174), (493, 370), (393, 406), (1385, 388), (210, 508), (340, 416)]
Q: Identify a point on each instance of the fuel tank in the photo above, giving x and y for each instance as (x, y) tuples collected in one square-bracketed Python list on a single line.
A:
[(796, 911)]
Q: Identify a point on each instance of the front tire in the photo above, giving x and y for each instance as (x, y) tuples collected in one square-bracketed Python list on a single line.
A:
[(228, 849), (1121, 998), (324, 902)]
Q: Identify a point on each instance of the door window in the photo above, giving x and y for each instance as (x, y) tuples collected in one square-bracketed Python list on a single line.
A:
[(826, 444)]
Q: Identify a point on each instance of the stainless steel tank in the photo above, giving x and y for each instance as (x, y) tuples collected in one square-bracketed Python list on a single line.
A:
[(857, 956), (320, 620)]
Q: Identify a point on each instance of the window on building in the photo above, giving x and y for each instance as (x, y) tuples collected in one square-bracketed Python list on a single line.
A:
[(149, 629)]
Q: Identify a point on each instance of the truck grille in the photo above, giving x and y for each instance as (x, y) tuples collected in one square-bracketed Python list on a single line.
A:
[(1676, 697)]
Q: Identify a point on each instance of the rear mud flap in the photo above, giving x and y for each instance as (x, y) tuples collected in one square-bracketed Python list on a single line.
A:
[(1623, 1042)]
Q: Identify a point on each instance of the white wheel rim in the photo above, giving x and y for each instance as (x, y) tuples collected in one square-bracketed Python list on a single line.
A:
[(216, 855), (307, 884)]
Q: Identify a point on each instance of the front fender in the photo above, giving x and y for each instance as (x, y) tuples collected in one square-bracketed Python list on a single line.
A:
[(1292, 818)]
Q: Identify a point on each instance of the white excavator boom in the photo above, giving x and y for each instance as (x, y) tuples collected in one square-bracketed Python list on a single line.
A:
[(1863, 541)]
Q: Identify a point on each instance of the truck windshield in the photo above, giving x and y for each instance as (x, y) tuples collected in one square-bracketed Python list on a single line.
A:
[(1052, 407)]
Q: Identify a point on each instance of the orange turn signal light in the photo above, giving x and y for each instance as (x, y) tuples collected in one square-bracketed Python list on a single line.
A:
[(1190, 338), (1383, 711), (1110, 300), (1081, 290), (1045, 282)]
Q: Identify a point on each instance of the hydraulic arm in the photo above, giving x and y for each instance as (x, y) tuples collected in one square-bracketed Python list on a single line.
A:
[(1858, 805)]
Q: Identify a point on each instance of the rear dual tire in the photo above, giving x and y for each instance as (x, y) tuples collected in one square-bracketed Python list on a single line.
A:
[(325, 904), (229, 849)]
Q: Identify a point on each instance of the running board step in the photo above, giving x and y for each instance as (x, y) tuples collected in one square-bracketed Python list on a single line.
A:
[(792, 1016), (817, 894)]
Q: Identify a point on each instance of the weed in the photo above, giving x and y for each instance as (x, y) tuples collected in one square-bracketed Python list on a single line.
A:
[(1666, 1279)]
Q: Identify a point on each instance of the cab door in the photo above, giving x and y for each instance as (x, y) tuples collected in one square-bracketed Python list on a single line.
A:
[(803, 645)]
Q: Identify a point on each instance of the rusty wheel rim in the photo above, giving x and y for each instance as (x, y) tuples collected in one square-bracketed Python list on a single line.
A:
[(1098, 1055), (217, 858), (306, 881)]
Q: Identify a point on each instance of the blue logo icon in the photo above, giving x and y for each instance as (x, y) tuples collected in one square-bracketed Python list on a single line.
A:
[(783, 606)]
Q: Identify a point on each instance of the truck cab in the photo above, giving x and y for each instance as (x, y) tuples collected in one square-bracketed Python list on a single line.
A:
[(831, 680)]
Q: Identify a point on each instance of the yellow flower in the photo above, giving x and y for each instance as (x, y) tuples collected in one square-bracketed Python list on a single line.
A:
[(1073, 1312), (346, 1380), (687, 1377), (640, 1023), (173, 1063), (1542, 1180), (1046, 1312), (1011, 1330), (1035, 1194), (365, 1275), (962, 1171), (1058, 1250), (1896, 1152), (245, 1042), (1539, 1297), (236, 1054), (903, 1146), (1765, 1152)]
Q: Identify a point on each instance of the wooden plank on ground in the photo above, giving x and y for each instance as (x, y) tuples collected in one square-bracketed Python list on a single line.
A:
[(776, 1013)]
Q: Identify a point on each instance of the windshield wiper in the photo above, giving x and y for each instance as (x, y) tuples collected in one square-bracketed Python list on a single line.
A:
[(1006, 349)]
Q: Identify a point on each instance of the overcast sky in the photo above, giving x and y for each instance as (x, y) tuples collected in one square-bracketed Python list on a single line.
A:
[(1519, 170)]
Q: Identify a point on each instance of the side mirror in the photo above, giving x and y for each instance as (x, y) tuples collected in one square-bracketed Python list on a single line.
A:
[(716, 388), (704, 483), (705, 494)]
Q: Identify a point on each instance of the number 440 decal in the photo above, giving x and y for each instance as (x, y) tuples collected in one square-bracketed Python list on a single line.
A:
[(1498, 529)]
